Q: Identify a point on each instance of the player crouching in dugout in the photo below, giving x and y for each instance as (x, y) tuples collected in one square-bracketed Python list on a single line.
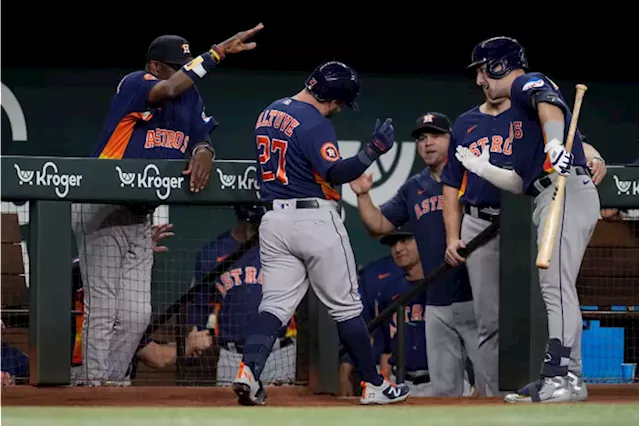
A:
[(404, 252)]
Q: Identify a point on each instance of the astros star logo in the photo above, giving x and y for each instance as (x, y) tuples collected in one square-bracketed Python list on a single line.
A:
[(185, 49), (428, 118)]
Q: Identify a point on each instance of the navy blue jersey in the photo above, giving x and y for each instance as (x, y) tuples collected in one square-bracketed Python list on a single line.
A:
[(135, 130), (233, 303), (529, 159), (295, 147), (374, 276), (14, 361), (415, 338), (419, 201), (475, 130)]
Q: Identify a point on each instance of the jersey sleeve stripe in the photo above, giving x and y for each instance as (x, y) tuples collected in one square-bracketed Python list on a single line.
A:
[(463, 185), (119, 140), (327, 190)]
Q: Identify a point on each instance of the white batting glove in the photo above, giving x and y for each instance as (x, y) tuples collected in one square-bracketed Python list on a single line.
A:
[(561, 160), (475, 164)]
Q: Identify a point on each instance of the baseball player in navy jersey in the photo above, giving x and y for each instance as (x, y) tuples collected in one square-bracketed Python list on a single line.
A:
[(542, 116), (229, 309), (372, 278), (405, 254), (451, 328), (302, 238), (471, 203), (156, 113)]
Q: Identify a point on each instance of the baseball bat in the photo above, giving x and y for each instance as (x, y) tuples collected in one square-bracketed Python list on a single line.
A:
[(552, 221), (481, 239)]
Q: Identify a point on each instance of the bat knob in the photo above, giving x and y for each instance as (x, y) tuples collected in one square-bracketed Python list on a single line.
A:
[(581, 87)]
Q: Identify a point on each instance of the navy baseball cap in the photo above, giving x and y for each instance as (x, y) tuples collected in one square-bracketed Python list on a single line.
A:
[(431, 122), (402, 233), (171, 49)]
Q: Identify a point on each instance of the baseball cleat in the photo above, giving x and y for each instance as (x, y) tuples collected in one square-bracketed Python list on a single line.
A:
[(386, 393), (578, 387), (545, 389), (248, 389)]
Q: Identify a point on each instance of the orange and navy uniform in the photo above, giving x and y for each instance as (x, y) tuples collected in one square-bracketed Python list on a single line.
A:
[(374, 277), (296, 146), (231, 305), (529, 159), (475, 130), (134, 129)]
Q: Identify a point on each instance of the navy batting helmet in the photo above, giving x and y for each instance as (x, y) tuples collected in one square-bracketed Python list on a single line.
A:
[(334, 81), (501, 54), (249, 213)]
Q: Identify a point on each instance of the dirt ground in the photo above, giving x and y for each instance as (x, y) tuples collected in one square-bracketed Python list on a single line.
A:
[(142, 396)]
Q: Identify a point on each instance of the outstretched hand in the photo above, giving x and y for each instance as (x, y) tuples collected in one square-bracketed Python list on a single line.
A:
[(362, 185), (475, 164), (237, 43), (382, 139)]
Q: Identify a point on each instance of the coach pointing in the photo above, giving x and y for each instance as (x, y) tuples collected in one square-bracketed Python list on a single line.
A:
[(156, 113)]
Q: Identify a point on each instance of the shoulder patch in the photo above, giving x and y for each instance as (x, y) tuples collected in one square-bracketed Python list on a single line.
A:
[(329, 152), (534, 82)]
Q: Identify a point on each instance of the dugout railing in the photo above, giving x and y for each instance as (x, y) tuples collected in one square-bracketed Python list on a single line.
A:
[(51, 184)]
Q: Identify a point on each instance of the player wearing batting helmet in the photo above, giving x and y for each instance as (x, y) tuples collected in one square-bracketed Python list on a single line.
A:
[(156, 113), (480, 200), (524, 153), (302, 238)]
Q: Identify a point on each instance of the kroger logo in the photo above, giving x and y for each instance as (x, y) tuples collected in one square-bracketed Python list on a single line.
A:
[(49, 177), (245, 181), (150, 178), (626, 187)]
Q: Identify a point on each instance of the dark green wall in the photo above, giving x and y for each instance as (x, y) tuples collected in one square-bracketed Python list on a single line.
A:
[(65, 109)]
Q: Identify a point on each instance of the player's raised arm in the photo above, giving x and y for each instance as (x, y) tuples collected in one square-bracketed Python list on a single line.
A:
[(505, 179), (197, 68), (347, 170), (372, 217)]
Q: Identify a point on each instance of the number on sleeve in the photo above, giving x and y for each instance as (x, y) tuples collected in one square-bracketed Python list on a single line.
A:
[(276, 146)]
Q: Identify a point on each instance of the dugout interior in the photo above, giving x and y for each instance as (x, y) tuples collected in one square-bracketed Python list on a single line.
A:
[(607, 285)]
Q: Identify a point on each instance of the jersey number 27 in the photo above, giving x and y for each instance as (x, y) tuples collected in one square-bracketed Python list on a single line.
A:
[(272, 146)]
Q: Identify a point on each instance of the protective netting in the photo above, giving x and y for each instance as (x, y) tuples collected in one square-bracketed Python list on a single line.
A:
[(608, 291), (161, 296)]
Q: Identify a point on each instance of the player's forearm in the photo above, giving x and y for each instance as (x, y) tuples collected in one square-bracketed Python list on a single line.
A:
[(591, 153), (169, 89), (451, 213), (347, 170), (507, 180), (183, 79), (158, 356), (372, 217), (552, 121)]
